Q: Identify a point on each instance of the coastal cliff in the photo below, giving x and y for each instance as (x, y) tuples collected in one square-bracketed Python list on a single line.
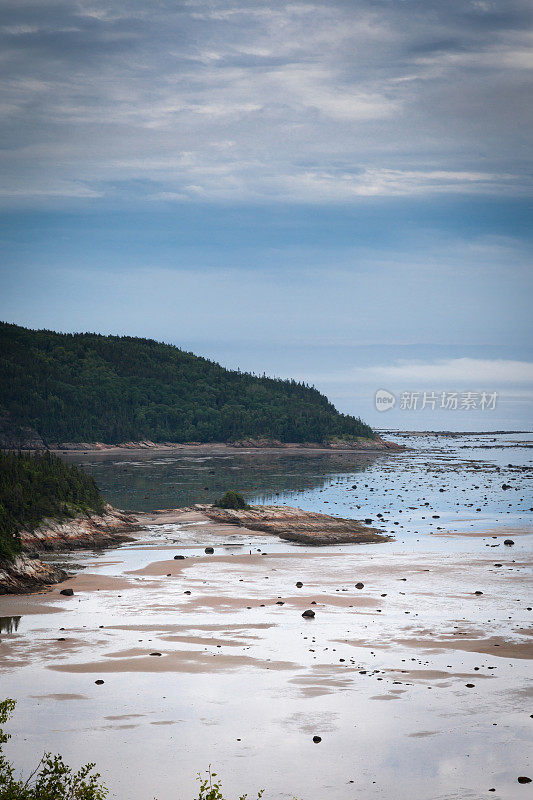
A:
[(27, 573), (85, 531)]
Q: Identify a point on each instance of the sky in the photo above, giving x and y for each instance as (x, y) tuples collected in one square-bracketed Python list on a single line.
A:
[(338, 192)]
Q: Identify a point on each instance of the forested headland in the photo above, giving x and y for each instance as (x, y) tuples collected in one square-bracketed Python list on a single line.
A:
[(35, 486), (86, 387)]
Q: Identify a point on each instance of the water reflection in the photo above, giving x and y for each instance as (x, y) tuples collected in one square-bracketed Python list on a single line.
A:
[(145, 481), (9, 624)]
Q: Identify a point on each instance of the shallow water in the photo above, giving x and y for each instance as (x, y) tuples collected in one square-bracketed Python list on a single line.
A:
[(380, 673)]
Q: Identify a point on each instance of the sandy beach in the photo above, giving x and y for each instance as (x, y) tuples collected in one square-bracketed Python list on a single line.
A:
[(452, 664)]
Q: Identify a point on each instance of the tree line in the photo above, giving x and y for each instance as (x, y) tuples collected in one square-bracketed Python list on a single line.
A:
[(87, 387)]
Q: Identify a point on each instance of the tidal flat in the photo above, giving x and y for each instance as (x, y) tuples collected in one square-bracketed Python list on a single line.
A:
[(418, 682)]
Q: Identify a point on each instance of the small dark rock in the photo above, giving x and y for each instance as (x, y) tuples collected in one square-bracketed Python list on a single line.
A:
[(99, 682), (309, 613), (209, 550), (508, 542), (368, 521), (523, 779), (67, 592), (317, 739), (299, 585), (178, 558), (359, 585), (155, 654)]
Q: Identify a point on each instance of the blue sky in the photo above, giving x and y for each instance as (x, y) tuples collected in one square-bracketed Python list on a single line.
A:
[(338, 192)]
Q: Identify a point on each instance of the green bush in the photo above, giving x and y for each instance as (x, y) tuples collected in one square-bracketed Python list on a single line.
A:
[(232, 500)]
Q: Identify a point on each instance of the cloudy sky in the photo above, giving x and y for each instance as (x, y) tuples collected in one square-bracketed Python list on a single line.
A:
[(336, 191)]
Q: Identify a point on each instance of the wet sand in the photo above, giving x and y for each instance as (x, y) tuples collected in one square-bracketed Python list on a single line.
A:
[(219, 660)]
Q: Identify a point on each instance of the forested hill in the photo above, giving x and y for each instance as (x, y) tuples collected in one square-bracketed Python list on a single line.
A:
[(85, 387)]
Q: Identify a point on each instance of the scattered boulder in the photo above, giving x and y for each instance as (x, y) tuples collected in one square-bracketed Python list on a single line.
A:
[(508, 542), (309, 614), (99, 682), (299, 584), (209, 550), (359, 585), (179, 558), (67, 592), (523, 779), (317, 739)]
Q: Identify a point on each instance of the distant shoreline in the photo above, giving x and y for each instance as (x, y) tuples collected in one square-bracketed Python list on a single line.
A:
[(371, 446)]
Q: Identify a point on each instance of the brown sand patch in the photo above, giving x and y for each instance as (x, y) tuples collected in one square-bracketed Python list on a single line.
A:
[(213, 642), (157, 568), (432, 675), (58, 696), (494, 646), (219, 627), (18, 605), (19, 652), (385, 697), (90, 582), (220, 602), (177, 661)]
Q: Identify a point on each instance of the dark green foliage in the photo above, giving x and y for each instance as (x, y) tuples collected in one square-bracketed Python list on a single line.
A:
[(51, 780), (231, 500), (85, 387), (38, 485)]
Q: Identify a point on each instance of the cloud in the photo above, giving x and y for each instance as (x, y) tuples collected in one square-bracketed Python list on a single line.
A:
[(446, 372), (321, 102)]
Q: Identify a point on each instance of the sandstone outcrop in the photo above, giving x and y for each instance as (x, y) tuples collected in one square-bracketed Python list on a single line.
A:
[(295, 525), (87, 531), (25, 574)]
